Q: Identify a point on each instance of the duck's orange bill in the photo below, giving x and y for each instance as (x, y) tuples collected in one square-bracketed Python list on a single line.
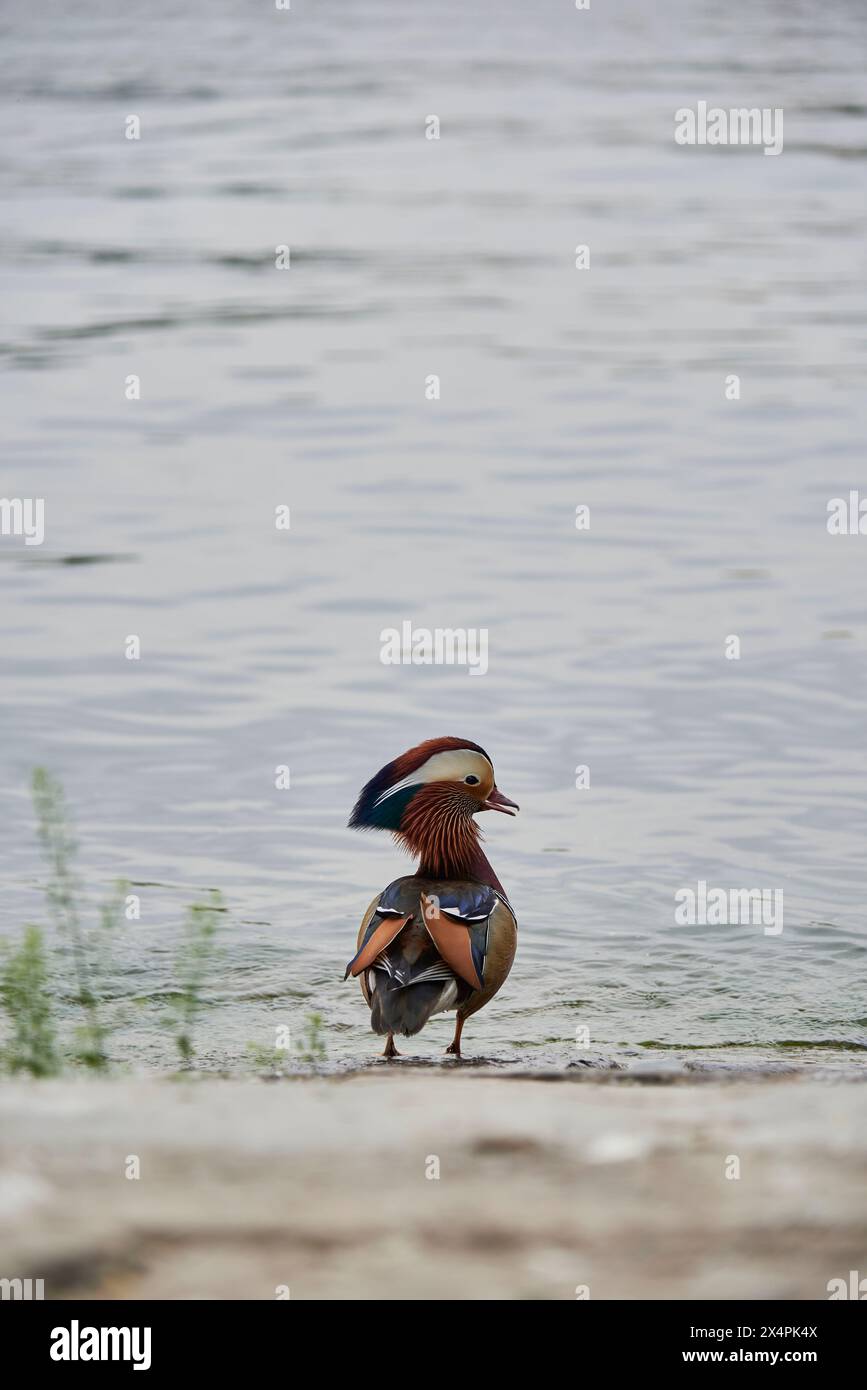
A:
[(452, 940), (382, 937)]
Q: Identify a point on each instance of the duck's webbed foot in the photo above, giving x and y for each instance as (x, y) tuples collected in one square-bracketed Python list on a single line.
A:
[(390, 1049)]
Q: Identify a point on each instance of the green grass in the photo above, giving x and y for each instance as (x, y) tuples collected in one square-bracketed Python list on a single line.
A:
[(192, 964), (72, 962), (276, 1061), (313, 1039), (25, 997)]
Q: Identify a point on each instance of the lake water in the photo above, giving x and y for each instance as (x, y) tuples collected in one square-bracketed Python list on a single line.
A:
[(603, 387)]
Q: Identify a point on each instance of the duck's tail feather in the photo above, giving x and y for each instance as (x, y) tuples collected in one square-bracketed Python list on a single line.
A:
[(405, 1009)]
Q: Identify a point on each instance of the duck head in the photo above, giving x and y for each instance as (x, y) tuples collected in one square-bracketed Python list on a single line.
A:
[(428, 798)]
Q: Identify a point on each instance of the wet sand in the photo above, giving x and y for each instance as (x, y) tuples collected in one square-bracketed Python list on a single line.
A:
[(324, 1187)]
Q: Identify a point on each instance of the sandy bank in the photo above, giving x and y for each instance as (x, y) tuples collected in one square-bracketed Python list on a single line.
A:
[(322, 1185)]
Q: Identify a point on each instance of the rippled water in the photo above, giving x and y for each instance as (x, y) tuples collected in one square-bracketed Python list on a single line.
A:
[(604, 387)]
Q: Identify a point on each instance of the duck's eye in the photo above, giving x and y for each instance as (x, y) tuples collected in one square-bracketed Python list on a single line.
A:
[(471, 781)]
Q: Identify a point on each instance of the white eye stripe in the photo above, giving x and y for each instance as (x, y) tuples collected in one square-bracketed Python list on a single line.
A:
[(407, 781), (452, 765)]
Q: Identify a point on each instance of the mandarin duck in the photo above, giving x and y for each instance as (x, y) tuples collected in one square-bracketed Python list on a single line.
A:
[(443, 938)]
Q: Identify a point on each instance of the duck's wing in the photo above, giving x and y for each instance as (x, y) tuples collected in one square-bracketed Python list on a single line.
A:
[(384, 919), (402, 975), (459, 922), (422, 933)]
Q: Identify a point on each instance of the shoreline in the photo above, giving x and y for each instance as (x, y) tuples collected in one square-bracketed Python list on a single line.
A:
[(328, 1189)]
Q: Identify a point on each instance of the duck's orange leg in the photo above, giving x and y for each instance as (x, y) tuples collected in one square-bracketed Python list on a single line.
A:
[(455, 1047), (390, 1049)]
